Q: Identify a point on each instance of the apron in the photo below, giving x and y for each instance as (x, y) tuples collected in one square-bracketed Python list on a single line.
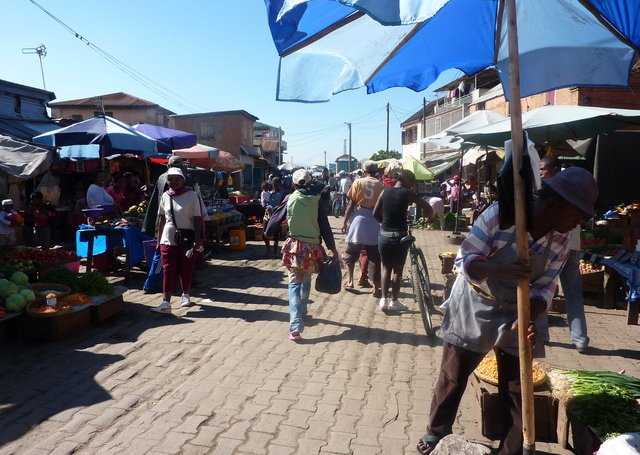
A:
[(478, 317)]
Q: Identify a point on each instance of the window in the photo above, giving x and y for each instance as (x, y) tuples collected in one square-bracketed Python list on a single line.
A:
[(207, 131), (99, 114), (17, 104), (410, 135), (77, 117)]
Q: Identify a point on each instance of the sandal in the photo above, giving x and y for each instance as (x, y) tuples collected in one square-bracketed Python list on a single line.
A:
[(426, 447)]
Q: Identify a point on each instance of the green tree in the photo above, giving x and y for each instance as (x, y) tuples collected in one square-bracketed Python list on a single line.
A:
[(384, 155)]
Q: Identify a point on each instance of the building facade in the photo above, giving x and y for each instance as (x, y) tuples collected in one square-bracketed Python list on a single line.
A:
[(23, 111), (269, 140), (342, 163), (122, 106)]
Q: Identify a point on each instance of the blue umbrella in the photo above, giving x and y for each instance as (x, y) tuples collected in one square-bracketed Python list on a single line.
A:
[(173, 139), (113, 136), (329, 46)]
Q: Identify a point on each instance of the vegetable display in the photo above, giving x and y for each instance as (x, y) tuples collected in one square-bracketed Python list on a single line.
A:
[(487, 371), (605, 401), (94, 283), (16, 292)]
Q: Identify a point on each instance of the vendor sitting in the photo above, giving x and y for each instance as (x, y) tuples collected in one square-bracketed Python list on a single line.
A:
[(97, 195), (481, 311), (9, 219)]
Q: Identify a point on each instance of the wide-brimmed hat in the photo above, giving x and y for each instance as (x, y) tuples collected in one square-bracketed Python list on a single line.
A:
[(175, 171), (576, 186)]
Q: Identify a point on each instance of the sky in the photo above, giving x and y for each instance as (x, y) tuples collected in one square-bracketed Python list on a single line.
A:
[(214, 54)]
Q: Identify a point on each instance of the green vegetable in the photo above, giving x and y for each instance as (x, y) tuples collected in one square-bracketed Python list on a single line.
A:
[(16, 303), (605, 401), (93, 283), (28, 295), (20, 278)]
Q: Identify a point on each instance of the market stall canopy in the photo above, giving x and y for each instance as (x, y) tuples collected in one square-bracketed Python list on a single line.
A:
[(113, 136), (449, 137), (553, 124), (172, 139), (411, 164), (328, 47), (472, 155), (210, 158), (21, 159)]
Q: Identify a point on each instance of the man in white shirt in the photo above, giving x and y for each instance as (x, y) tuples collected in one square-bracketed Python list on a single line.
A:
[(97, 195)]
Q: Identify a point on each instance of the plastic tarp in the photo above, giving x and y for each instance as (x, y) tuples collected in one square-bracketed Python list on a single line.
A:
[(553, 124), (449, 138), (329, 46), (79, 152), (421, 172), (22, 160)]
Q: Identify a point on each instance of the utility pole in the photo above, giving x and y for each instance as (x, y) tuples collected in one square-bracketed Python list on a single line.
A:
[(424, 124), (40, 51), (325, 160), (387, 129), (349, 128), (279, 146)]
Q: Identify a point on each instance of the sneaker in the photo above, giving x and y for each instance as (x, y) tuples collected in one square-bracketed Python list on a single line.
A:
[(185, 301), (582, 348), (164, 307), (383, 303), (394, 305), (295, 336)]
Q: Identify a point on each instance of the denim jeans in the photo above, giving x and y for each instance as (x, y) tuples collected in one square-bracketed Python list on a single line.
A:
[(299, 290), (572, 289)]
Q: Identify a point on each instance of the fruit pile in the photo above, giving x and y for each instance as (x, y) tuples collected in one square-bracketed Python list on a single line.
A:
[(16, 292), (137, 210), (588, 267)]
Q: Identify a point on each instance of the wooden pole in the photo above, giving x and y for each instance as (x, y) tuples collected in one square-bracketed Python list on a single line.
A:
[(524, 306)]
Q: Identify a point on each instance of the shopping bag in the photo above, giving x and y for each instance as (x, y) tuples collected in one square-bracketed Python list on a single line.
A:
[(329, 279)]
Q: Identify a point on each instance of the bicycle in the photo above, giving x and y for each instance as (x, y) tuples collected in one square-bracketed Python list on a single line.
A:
[(421, 285)]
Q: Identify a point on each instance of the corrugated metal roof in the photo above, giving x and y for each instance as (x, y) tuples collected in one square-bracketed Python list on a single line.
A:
[(118, 99)]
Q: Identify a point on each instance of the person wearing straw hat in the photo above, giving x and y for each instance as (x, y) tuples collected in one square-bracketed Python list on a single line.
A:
[(480, 314)]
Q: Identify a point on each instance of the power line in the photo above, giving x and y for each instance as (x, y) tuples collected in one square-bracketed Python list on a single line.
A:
[(141, 78)]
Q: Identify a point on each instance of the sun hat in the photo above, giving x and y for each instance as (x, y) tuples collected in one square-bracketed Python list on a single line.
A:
[(576, 186), (301, 177), (173, 171)]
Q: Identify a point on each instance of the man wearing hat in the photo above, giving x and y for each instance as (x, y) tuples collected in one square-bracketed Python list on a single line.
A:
[(480, 314)]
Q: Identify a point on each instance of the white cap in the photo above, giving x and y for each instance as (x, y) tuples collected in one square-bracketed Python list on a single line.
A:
[(301, 177), (7, 202), (175, 171)]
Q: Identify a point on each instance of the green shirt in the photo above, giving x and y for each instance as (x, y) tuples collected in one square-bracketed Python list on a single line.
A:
[(302, 216)]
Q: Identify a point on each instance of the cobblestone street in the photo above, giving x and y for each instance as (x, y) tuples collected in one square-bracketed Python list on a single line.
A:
[(222, 377)]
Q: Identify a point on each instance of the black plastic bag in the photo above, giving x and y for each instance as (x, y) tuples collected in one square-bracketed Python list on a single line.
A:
[(329, 279)]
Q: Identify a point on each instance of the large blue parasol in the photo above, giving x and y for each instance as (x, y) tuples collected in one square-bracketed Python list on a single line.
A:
[(172, 139), (113, 136)]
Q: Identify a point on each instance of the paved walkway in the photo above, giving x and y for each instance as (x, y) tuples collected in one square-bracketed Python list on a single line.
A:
[(222, 378)]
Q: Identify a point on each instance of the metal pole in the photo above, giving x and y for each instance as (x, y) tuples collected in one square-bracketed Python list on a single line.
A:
[(350, 158), (279, 146), (44, 85), (325, 159), (423, 146), (524, 306), (387, 129)]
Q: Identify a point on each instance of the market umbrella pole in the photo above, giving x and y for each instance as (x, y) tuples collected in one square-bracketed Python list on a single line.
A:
[(524, 310)]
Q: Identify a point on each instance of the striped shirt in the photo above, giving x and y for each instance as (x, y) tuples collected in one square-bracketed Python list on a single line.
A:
[(486, 238)]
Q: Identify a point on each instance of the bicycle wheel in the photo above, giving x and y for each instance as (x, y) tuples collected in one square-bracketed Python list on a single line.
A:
[(419, 294), (426, 282)]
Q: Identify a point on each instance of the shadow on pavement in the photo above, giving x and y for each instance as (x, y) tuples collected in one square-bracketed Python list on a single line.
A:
[(240, 277), (594, 351), (42, 379), (224, 296)]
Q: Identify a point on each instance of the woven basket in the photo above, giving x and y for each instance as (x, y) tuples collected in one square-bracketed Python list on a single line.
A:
[(538, 380)]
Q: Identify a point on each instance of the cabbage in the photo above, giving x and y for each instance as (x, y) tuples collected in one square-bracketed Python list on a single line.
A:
[(28, 295), (8, 289), (16, 303), (20, 278)]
